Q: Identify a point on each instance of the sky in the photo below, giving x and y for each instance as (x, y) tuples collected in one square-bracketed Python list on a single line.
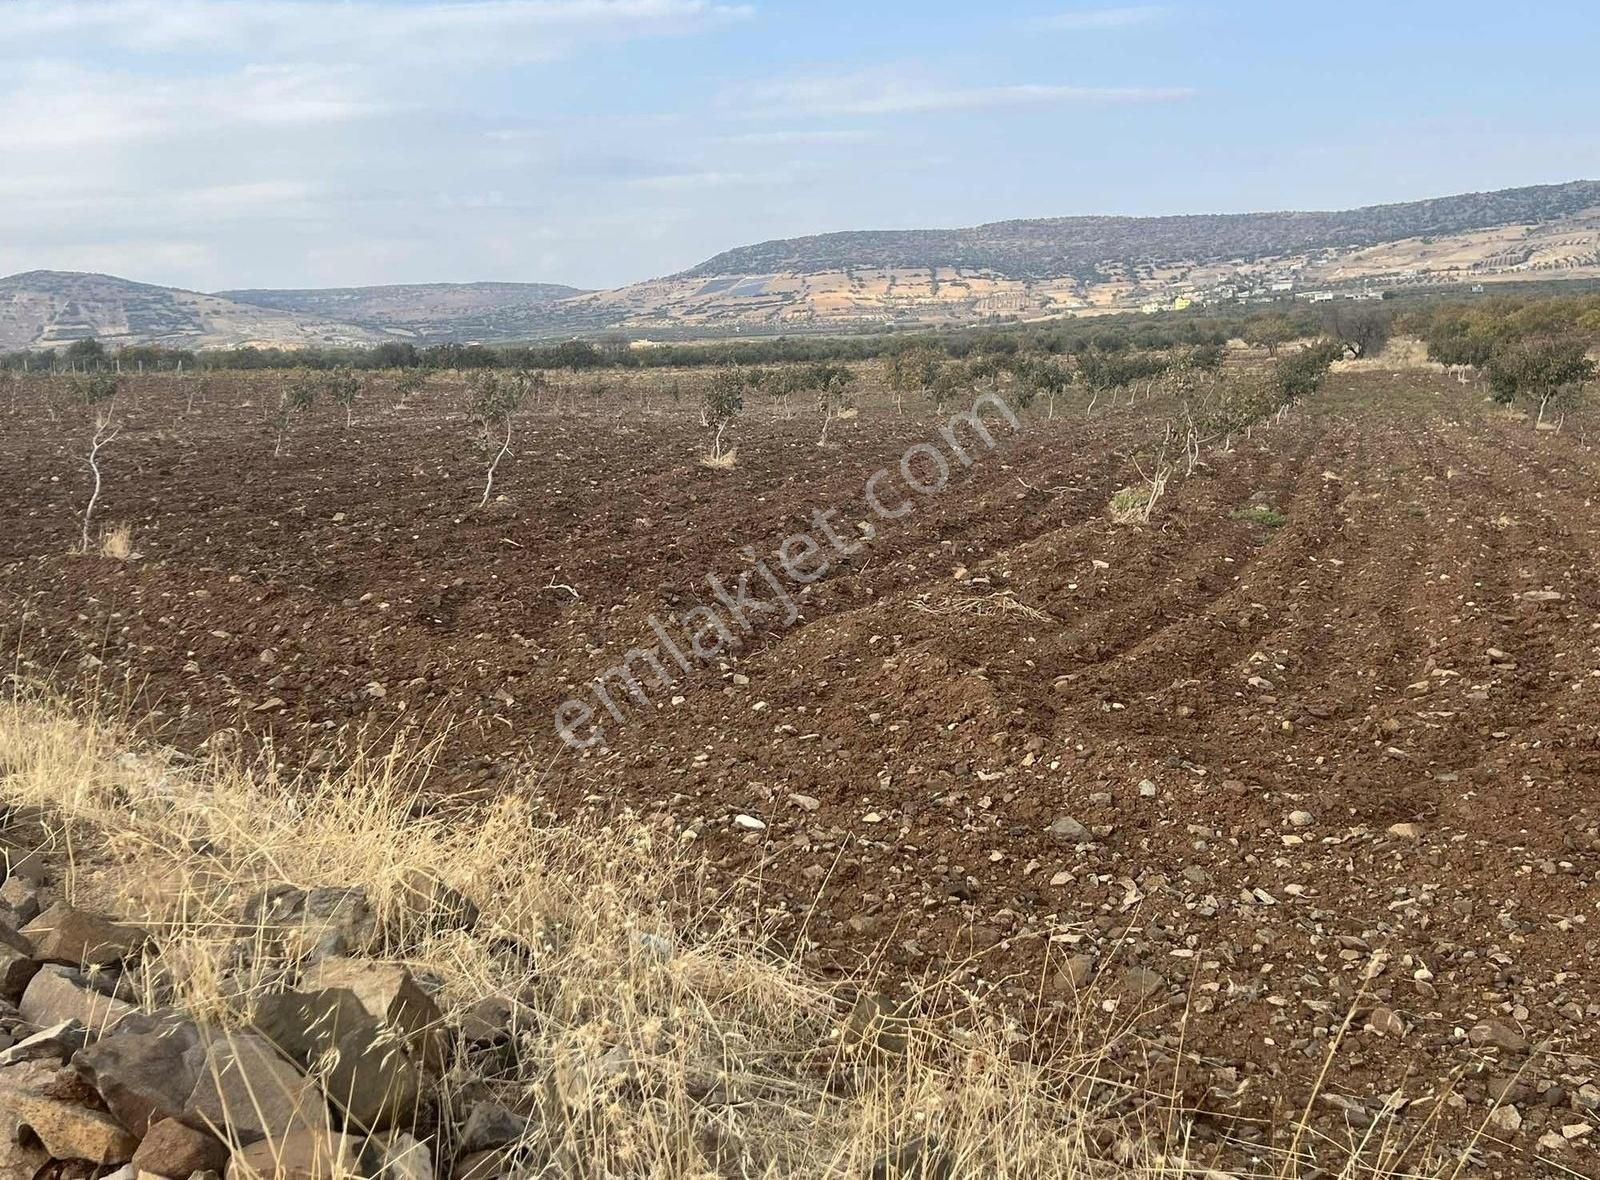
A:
[(217, 144)]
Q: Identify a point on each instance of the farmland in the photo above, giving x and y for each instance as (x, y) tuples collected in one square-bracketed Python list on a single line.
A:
[(1318, 742)]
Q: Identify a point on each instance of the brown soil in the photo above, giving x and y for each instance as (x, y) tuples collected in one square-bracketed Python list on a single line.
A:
[(1374, 661)]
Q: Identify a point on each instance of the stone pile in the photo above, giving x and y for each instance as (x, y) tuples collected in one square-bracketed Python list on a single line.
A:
[(335, 1070)]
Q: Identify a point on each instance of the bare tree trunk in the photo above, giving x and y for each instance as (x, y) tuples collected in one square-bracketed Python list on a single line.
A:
[(101, 438), (505, 449)]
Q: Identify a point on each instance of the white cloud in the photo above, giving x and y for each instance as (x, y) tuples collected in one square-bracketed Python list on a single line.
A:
[(1085, 19), (710, 178), (54, 108), (885, 94), (802, 137), (473, 31)]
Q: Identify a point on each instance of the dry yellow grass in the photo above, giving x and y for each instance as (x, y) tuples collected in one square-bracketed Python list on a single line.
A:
[(721, 462), (667, 1038), (117, 542)]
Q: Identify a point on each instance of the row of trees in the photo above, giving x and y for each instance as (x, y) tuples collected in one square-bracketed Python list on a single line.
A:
[(1532, 349), (1106, 334)]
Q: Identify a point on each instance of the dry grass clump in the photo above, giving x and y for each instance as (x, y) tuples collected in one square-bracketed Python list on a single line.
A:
[(721, 461), (116, 542), (983, 606), (661, 1039), (1137, 504)]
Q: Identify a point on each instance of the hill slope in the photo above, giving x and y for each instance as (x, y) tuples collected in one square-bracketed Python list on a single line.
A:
[(45, 308), (1062, 247), (1088, 265), (425, 312)]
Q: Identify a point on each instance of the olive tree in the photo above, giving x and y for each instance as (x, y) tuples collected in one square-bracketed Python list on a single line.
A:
[(831, 384), (495, 398), (720, 404), (913, 370), (1551, 369), (343, 386), (294, 400)]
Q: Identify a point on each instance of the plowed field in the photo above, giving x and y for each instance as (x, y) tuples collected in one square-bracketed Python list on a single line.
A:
[(1322, 737)]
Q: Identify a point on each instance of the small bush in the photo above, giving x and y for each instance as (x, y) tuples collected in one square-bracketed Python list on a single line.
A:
[(1262, 514)]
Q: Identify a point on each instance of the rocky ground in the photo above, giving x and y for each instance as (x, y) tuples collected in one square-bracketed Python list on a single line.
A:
[(1304, 768)]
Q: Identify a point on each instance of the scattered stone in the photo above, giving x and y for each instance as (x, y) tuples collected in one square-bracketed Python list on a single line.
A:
[(17, 969), (749, 823), (81, 938), (299, 1155), (1406, 831), (312, 924), (144, 1076), (1147, 789), (492, 1164), (389, 993), (429, 901), (491, 1125), (364, 1071), (21, 897), (39, 1097), (404, 1157), (54, 1044), (1068, 828), (1301, 819), (1386, 1022), (172, 1148), (1141, 983), (58, 995), (1499, 1035), (1507, 1119), (247, 1093)]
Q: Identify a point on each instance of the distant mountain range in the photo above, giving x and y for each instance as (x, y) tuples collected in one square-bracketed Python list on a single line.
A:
[(1008, 269), (426, 312), (1080, 247)]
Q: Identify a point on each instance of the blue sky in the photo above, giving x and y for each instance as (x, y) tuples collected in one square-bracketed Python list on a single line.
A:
[(232, 143)]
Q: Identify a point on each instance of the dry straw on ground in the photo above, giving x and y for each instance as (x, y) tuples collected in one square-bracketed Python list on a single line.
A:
[(661, 1039)]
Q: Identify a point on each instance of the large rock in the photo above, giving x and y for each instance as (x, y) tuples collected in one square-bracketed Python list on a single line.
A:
[(364, 1069), (50, 1103), (54, 1044), (427, 904), (20, 897), (389, 993), (311, 924), (405, 1157), (491, 1125), (176, 1149), (17, 969), (247, 1092), (58, 994), (82, 938), (144, 1076), (303, 1155)]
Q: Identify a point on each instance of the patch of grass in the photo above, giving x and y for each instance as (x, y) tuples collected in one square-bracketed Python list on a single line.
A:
[(1127, 505), (1262, 514), (729, 458), (117, 543)]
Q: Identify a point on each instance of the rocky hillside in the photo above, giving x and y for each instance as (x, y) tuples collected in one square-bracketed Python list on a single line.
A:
[(426, 312), (47, 308), (1078, 247)]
